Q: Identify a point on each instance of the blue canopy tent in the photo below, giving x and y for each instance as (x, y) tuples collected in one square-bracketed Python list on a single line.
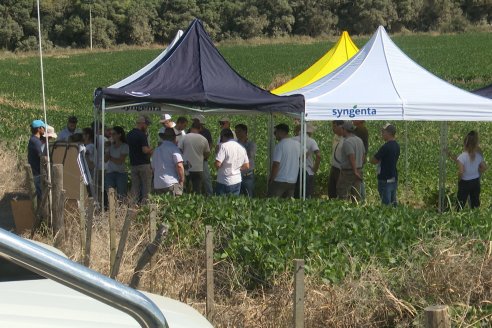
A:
[(192, 77), (484, 92)]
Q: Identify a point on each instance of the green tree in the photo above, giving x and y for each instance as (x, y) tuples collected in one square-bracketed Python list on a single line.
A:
[(313, 17), (139, 26), (172, 16), (104, 32)]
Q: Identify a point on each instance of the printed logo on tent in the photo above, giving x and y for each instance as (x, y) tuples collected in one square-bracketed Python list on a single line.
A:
[(137, 94), (353, 112)]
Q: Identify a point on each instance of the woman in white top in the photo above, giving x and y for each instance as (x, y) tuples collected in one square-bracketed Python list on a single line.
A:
[(115, 157), (470, 167)]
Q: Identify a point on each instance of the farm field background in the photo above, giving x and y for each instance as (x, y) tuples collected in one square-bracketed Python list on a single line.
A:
[(421, 256)]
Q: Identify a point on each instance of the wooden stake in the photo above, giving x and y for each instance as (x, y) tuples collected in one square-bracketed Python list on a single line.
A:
[(112, 226), (58, 205), (299, 293), (83, 223), (209, 258), (437, 316), (130, 215), (88, 241), (153, 231), (32, 188)]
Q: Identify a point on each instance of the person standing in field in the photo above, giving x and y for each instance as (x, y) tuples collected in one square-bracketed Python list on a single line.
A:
[(336, 158), (247, 176), (196, 150), (471, 165), (312, 164), (35, 152), (69, 130), (386, 158), (362, 132), (179, 129), (230, 160), (348, 185), (167, 163), (115, 157), (207, 179), (140, 152), (285, 164)]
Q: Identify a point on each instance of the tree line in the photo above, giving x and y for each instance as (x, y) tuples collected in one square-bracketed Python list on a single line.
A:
[(66, 23)]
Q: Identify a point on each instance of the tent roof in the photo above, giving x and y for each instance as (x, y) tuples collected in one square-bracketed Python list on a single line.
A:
[(382, 83), (342, 51), (193, 73), (484, 92)]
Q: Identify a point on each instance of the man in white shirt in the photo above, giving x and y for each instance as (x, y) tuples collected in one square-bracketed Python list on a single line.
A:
[(71, 129), (167, 164), (285, 166), (195, 151), (231, 159), (313, 159), (180, 130)]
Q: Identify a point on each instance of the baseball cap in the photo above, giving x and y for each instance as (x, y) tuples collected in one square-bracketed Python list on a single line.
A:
[(38, 124), (349, 126), (50, 132), (224, 119), (390, 128), (164, 118), (144, 119), (200, 118)]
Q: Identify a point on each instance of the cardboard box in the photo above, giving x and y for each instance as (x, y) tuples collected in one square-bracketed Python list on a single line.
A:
[(23, 215)]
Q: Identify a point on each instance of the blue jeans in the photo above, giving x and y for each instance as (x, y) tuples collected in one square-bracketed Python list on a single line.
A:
[(118, 181), (222, 189), (248, 185), (387, 192)]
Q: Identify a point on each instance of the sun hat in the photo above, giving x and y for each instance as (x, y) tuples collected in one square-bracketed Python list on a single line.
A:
[(50, 132), (200, 118), (38, 124), (224, 119), (310, 128)]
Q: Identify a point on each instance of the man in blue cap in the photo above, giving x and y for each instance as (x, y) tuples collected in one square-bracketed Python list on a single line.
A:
[(34, 153)]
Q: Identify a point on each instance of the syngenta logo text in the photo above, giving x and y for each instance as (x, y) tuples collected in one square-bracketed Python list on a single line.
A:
[(353, 112)]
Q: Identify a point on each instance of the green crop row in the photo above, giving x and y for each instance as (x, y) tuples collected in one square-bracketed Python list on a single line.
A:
[(261, 237)]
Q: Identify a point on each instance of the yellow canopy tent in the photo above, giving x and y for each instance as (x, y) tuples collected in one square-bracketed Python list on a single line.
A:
[(342, 51)]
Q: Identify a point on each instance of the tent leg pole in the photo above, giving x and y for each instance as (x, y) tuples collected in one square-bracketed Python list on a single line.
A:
[(442, 166), (407, 173), (102, 154), (270, 146)]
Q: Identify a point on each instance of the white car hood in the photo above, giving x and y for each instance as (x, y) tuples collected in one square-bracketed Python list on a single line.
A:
[(45, 303)]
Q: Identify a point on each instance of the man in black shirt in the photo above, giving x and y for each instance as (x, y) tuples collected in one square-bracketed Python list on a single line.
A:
[(139, 153), (386, 158), (35, 152)]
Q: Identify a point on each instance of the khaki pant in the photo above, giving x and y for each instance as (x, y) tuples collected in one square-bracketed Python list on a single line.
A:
[(141, 183), (348, 185), (175, 190)]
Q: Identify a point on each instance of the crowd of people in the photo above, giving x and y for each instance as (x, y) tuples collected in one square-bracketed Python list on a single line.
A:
[(179, 162)]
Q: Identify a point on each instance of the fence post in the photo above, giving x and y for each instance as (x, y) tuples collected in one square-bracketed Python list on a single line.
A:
[(83, 223), (130, 215), (153, 232), (88, 241), (32, 189), (298, 293), (437, 316), (209, 259), (46, 192), (112, 226), (58, 205)]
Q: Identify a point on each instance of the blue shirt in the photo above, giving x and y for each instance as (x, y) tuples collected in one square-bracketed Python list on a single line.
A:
[(136, 139), (388, 156), (34, 153)]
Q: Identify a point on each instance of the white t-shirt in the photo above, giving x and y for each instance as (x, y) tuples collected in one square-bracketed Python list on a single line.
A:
[(232, 156), (311, 148), (180, 135), (164, 160), (471, 167), (194, 146), (117, 152), (287, 153), (101, 140)]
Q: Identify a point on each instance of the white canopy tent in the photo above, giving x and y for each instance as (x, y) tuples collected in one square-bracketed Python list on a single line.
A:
[(382, 83)]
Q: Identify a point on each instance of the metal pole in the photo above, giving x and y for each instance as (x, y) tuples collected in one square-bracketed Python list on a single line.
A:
[(90, 23), (442, 166)]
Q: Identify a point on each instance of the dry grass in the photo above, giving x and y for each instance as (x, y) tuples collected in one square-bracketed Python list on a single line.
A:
[(12, 173)]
